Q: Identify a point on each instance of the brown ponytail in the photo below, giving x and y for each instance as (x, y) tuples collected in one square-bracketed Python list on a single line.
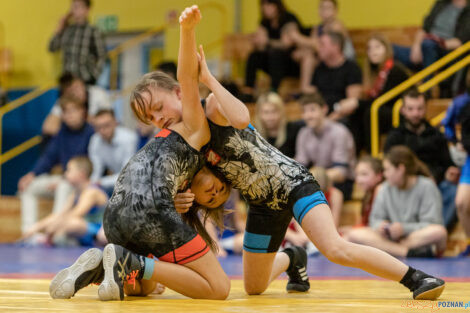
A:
[(403, 155)]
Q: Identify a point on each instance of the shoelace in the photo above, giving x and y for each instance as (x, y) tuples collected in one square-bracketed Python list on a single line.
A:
[(128, 278)]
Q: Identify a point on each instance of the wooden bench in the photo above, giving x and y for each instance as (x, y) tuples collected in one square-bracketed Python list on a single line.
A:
[(10, 215), (237, 46)]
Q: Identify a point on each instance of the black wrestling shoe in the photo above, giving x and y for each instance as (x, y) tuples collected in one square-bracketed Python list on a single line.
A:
[(424, 286), (88, 269), (297, 270), (428, 251), (120, 265)]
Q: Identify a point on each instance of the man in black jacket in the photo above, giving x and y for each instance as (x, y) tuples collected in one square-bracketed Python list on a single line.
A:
[(429, 145)]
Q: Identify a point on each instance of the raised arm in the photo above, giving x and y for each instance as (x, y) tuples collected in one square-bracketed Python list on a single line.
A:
[(193, 113), (223, 108)]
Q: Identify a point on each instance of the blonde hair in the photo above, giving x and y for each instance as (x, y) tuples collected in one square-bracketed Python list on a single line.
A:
[(156, 79), (273, 99), (84, 164), (369, 73)]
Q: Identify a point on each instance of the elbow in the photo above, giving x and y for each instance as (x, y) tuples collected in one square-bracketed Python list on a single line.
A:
[(241, 124), (242, 121)]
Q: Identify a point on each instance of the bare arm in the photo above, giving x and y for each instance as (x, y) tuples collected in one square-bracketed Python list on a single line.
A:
[(193, 114), (223, 108), (89, 198)]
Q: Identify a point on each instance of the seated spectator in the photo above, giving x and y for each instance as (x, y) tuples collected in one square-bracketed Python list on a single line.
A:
[(110, 149), (381, 74), (427, 142), (406, 217), (305, 54), (82, 215), (144, 133), (446, 28), (339, 81), (94, 97), (459, 112), (326, 143), (270, 121), (369, 177), (72, 140), (83, 45), (272, 46)]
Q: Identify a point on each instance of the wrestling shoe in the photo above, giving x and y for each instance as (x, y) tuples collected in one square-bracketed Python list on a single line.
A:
[(423, 286), (297, 270), (87, 269), (120, 266)]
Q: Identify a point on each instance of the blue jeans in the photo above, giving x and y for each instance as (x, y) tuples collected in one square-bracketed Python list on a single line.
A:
[(430, 49), (449, 213)]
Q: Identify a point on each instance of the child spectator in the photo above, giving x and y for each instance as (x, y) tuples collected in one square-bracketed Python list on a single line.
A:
[(369, 176), (271, 122), (81, 217), (406, 217), (326, 143), (72, 140), (95, 99)]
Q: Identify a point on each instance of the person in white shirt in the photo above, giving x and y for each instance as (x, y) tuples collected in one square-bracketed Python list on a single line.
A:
[(110, 148)]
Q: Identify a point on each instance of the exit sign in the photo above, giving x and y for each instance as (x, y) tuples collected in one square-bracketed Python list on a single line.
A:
[(107, 23)]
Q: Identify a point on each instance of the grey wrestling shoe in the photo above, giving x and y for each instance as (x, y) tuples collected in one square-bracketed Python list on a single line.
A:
[(120, 265), (297, 270), (88, 269)]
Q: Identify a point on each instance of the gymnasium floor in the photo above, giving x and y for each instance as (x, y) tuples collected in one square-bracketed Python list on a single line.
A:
[(25, 274)]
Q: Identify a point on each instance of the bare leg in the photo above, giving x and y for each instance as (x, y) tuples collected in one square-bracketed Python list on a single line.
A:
[(369, 237), (319, 226), (260, 269), (432, 234), (203, 278)]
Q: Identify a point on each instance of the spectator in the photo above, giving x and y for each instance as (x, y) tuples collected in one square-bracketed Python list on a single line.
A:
[(272, 45), (369, 176), (459, 111), (168, 67), (109, 150), (82, 215), (83, 46), (446, 28), (381, 74), (307, 45), (270, 121), (326, 143), (406, 217), (94, 97), (429, 145), (340, 83), (72, 140)]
